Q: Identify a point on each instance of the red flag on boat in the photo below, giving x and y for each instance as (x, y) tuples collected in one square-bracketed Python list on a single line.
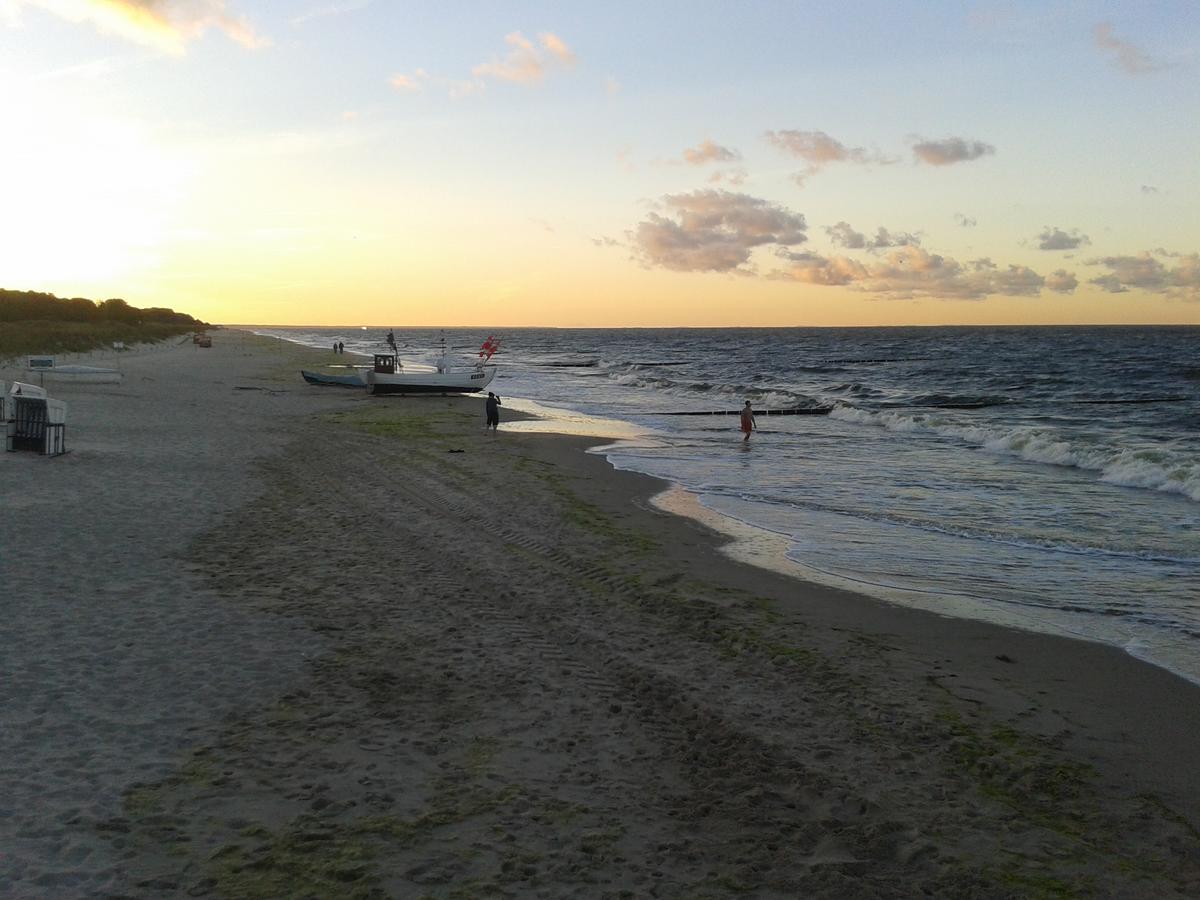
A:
[(490, 346)]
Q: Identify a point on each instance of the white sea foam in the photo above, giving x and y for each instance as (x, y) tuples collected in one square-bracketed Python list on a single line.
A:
[(1160, 469)]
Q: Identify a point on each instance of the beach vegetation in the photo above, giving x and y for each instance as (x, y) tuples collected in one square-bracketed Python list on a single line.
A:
[(35, 322), (1045, 887), (1166, 812), (389, 419), (305, 860), (142, 800), (480, 753)]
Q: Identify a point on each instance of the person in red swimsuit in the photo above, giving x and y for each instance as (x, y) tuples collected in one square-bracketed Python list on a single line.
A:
[(748, 423)]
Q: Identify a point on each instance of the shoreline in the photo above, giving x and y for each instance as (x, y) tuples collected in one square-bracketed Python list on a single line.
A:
[(441, 661), (760, 547), (1064, 607)]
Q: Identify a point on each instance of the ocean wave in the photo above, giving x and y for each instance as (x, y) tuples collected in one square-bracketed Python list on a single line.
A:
[(854, 389), (981, 535), (1152, 468), (759, 395), (954, 401)]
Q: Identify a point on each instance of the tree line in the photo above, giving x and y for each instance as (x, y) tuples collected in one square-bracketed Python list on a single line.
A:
[(35, 306), (35, 322)]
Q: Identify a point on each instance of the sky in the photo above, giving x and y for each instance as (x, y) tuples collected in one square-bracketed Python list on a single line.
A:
[(758, 163)]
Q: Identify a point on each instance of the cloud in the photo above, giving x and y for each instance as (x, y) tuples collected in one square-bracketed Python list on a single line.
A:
[(950, 150), (612, 87), (525, 63), (713, 231), (410, 83), (166, 25), (1149, 189), (333, 9), (1145, 273), (843, 234), (555, 45), (818, 150), (1061, 281), (911, 271), (965, 221), (417, 81), (884, 238), (733, 176), (708, 152), (1057, 239), (812, 268), (1124, 54)]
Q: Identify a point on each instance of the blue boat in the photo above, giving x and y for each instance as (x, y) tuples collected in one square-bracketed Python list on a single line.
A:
[(355, 380)]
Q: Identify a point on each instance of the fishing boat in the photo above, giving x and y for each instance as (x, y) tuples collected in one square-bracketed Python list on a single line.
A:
[(388, 376)]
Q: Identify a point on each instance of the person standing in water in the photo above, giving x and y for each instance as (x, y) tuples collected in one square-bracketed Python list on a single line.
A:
[(493, 412), (748, 422)]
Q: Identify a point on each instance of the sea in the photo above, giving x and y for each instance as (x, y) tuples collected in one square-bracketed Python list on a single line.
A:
[(1045, 478)]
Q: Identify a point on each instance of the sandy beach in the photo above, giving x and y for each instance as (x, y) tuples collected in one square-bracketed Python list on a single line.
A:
[(263, 639)]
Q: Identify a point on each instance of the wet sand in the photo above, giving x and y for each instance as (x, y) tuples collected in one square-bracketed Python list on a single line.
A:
[(266, 639)]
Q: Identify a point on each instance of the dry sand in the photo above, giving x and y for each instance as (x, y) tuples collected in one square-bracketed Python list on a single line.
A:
[(261, 639)]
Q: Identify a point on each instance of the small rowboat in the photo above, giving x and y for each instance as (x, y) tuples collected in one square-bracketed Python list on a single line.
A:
[(355, 380)]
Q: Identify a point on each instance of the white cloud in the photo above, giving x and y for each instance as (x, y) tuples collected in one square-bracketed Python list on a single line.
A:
[(333, 9), (1124, 54), (555, 45), (911, 271), (813, 268), (1061, 281), (410, 83), (167, 25), (965, 221), (1145, 273), (818, 150), (884, 238), (1056, 239), (713, 231), (525, 63), (734, 176), (950, 150), (708, 151), (844, 235)]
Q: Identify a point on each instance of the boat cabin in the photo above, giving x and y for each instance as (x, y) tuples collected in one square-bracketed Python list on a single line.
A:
[(385, 363)]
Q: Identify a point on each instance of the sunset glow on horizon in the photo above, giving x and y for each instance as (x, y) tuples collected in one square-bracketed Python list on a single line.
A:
[(671, 164)]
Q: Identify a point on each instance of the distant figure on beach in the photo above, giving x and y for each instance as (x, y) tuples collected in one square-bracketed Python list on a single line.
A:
[(341, 347), (391, 340), (748, 422), (335, 346), (493, 412)]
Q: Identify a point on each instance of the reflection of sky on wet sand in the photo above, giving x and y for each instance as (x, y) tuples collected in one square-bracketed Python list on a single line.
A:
[(551, 420)]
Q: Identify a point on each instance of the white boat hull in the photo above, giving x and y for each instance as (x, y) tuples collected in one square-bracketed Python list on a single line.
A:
[(80, 374), (466, 381)]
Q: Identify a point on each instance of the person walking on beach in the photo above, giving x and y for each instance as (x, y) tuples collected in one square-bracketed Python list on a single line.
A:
[(493, 412), (748, 422), (341, 347)]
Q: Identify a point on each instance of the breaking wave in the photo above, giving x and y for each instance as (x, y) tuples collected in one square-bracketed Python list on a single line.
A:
[(1157, 468)]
